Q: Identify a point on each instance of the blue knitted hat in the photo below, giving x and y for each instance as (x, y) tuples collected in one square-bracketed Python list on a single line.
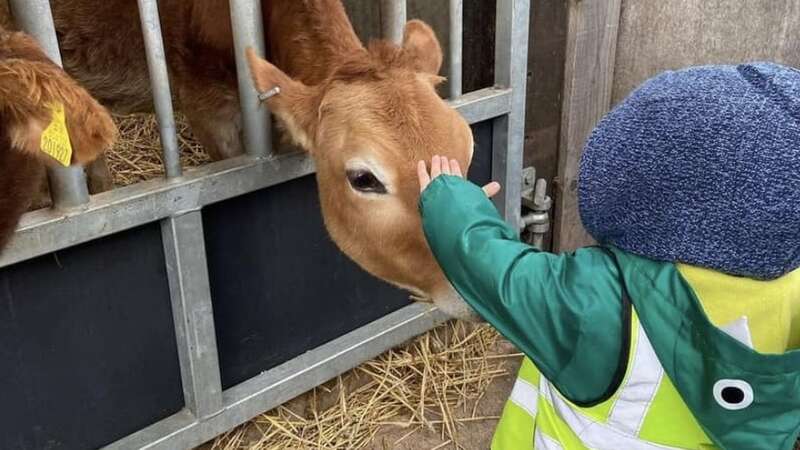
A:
[(701, 166)]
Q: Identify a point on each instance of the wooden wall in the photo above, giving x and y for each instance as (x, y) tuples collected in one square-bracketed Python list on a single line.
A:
[(669, 34), (592, 28), (615, 45)]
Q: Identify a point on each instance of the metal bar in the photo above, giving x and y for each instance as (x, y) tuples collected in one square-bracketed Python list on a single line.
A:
[(35, 18), (110, 212), (482, 105), (187, 270), (278, 385), (67, 184), (511, 71), (248, 31), (456, 47), (46, 231), (68, 187), (159, 80), (393, 20)]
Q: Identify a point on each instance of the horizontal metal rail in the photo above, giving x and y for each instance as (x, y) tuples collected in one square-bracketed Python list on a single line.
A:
[(483, 105), (281, 384), (47, 231)]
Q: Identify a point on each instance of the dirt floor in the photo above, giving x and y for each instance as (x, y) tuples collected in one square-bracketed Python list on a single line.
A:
[(470, 436)]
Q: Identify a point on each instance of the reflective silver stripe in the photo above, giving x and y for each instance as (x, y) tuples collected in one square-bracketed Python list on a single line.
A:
[(595, 435), (641, 385), (542, 441), (526, 396)]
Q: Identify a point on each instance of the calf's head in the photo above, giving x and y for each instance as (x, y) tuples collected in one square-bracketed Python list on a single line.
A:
[(366, 126), (30, 84)]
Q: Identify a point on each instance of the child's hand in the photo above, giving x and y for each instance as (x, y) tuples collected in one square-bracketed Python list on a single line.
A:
[(439, 166)]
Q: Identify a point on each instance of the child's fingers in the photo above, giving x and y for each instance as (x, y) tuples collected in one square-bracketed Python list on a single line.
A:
[(445, 166), (492, 189), (436, 167), (455, 168), (422, 174)]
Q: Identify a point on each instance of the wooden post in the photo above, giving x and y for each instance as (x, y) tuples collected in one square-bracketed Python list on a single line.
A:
[(588, 82)]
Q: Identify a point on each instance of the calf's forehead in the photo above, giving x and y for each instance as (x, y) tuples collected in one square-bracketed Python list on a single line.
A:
[(406, 123)]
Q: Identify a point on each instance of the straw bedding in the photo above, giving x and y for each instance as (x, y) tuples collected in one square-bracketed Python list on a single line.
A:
[(431, 389), (428, 393), (137, 155)]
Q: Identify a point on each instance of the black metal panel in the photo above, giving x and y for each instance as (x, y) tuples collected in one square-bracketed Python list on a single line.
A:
[(279, 285), (480, 171), (87, 344)]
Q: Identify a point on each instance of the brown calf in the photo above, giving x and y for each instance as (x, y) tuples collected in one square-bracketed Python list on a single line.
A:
[(29, 84)]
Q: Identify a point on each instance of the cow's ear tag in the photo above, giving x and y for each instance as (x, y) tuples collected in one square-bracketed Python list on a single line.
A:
[(55, 138)]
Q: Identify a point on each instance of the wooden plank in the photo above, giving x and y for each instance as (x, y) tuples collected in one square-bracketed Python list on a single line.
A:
[(588, 81), (548, 42)]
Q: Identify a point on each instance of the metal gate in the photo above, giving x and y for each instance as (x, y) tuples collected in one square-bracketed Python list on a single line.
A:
[(178, 204)]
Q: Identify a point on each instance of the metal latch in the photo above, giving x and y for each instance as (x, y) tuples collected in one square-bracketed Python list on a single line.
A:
[(535, 221)]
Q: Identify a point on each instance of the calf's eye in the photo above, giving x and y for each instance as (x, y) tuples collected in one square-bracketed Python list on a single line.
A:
[(365, 181)]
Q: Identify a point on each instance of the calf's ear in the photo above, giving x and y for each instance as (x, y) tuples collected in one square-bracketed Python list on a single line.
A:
[(29, 92), (295, 104), (421, 48)]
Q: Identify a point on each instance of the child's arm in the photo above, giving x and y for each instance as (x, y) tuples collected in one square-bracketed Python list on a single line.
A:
[(563, 311)]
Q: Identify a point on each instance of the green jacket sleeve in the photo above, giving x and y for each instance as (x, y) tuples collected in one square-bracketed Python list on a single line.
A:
[(563, 311)]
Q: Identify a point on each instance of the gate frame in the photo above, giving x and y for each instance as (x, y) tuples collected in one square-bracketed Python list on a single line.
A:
[(177, 203)]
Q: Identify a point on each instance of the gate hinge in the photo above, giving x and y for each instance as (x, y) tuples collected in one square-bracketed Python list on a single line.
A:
[(536, 205)]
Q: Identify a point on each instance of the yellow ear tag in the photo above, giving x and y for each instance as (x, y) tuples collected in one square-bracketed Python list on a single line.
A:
[(55, 138)]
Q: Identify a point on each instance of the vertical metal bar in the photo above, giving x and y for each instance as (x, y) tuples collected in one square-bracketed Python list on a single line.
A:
[(67, 184), (511, 71), (35, 18), (456, 47), (393, 20), (159, 80), (184, 248), (248, 31)]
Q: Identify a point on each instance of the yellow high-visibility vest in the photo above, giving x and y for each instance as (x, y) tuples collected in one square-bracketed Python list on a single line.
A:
[(647, 412)]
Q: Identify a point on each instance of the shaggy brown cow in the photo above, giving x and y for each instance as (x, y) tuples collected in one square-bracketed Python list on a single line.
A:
[(29, 84), (366, 115)]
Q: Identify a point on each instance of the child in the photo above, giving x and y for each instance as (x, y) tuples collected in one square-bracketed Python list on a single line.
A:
[(682, 330)]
